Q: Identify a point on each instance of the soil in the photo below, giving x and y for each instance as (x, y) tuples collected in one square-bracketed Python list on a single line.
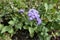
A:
[(24, 35)]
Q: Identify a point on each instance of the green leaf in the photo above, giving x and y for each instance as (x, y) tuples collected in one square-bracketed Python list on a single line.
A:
[(1, 26), (11, 22), (26, 27), (19, 26), (44, 29), (4, 29), (35, 28), (11, 30), (50, 6), (8, 29), (46, 6), (31, 31), (54, 1)]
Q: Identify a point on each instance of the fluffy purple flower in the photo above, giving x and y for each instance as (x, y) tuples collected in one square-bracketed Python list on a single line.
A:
[(34, 14), (21, 11)]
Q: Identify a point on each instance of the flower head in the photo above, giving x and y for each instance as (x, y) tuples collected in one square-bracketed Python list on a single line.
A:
[(21, 11), (34, 14)]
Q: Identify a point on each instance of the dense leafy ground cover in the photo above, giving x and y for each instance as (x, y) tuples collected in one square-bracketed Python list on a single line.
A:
[(29, 19)]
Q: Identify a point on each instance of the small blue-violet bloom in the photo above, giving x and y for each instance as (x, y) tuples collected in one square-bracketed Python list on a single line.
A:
[(33, 13), (21, 11)]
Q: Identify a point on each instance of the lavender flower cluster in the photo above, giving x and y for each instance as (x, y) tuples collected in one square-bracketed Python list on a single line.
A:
[(34, 14)]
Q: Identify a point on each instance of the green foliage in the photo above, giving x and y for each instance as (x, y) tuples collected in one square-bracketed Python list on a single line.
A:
[(11, 19), (31, 30), (1, 26)]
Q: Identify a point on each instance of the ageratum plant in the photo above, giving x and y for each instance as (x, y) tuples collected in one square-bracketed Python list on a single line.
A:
[(36, 16)]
